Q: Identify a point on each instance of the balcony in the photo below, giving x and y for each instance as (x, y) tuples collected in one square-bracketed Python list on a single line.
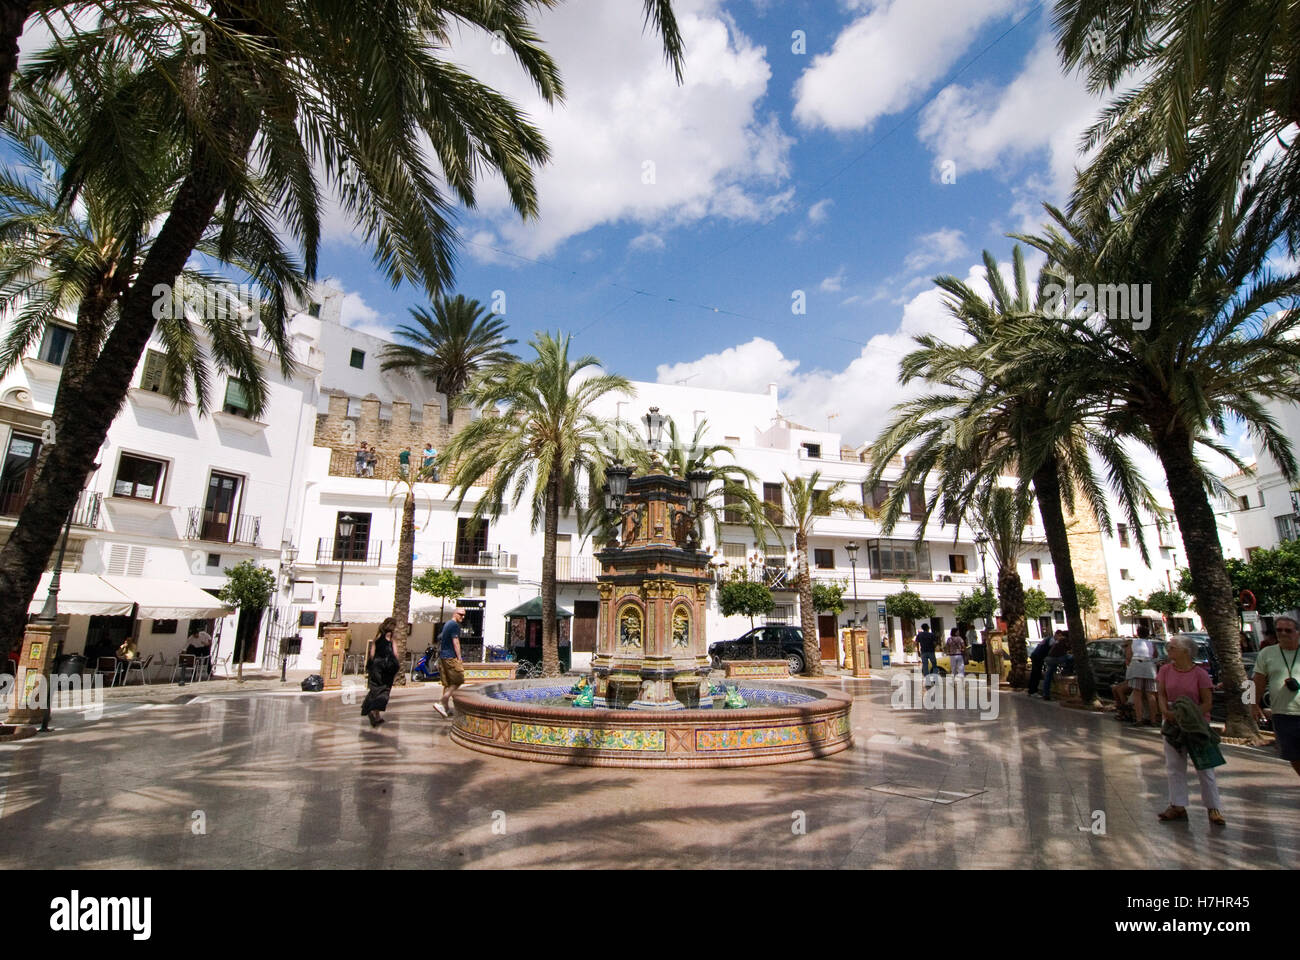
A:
[(576, 569), (85, 514), (477, 557), (356, 552), (343, 463), (215, 527), (939, 577), (779, 578)]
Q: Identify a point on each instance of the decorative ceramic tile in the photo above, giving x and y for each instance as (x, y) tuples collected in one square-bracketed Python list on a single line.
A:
[(478, 726), (755, 738), (546, 735)]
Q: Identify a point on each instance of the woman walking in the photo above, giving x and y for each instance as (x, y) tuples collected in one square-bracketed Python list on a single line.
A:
[(381, 668), (1187, 730)]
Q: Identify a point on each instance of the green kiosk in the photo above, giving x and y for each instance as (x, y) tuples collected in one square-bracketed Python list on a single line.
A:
[(524, 633)]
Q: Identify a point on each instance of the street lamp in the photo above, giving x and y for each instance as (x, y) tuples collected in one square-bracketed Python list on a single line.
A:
[(851, 548), (344, 534), (982, 544), (290, 554), (654, 428), (50, 614)]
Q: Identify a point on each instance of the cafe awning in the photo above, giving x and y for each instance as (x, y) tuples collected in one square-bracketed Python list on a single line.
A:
[(374, 604), (83, 595), (167, 599)]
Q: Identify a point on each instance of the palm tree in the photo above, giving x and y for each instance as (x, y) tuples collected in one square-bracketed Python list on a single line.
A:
[(537, 438), (1001, 513), (355, 91), (1213, 350), (1219, 82), (449, 345), (995, 413), (808, 501)]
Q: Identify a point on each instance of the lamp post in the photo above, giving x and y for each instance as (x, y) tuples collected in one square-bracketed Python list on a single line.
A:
[(982, 544), (654, 428), (50, 614), (290, 554), (851, 548), (344, 533)]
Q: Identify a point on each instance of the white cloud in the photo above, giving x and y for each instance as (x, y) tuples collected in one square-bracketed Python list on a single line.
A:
[(747, 368), (713, 155), (1042, 113), (359, 315), (818, 212), (647, 241), (834, 284), (884, 61), (932, 249)]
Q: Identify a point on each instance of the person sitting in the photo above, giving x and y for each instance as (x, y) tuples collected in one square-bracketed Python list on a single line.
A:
[(200, 644), (128, 650)]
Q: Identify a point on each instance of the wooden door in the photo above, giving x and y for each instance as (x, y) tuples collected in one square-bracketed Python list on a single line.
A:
[(826, 637), (585, 613)]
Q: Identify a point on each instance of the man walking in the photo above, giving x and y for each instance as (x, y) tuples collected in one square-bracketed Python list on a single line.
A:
[(926, 642), (450, 668), (1276, 670)]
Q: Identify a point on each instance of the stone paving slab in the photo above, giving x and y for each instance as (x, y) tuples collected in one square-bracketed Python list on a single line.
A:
[(282, 779)]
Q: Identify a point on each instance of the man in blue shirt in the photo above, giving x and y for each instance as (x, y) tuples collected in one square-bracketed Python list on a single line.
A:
[(926, 643), (450, 668)]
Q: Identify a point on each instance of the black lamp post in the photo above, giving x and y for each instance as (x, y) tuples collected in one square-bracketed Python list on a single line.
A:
[(50, 614), (851, 548), (290, 555), (345, 534)]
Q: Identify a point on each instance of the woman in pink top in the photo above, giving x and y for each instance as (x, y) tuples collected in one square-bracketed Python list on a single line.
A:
[(1183, 678)]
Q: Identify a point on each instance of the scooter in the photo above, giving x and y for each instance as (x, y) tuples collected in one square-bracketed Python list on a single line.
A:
[(427, 667)]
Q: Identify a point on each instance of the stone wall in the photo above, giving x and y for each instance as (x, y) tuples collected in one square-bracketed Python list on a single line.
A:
[(1088, 558), (342, 433)]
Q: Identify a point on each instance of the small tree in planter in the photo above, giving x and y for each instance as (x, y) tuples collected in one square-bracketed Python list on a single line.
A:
[(1167, 603), (248, 587), (1088, 602), (1131, 609), (909, 607), (973, 606), (443, 584), (741, 596)]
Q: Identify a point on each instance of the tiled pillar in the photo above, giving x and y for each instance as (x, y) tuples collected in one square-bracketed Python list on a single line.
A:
[(35, 664), (334, 642)]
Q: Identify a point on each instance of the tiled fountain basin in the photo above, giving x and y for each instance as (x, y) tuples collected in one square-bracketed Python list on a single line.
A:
[(788, 723)]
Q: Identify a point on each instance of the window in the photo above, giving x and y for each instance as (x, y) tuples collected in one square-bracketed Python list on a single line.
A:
[(471, 540), (1243, 503), (893, 559), (956, 563), (164, 626), (875, 496), (358, 359), (730, 511), (1250, 552), (307, 618), (821, 508), (1058, 616), (56, 344), (731, 441), (237, 402), (1162, 533), (1121, 530), (824, 559), (772, 503), (155, 377), (733, 553), (1123, 574), (303, 591), (313, 310), (18, 473), (356, 546), (814, 450), (214, 559), (139, 479), (916, 501), (1285, 527), (1036, 570)]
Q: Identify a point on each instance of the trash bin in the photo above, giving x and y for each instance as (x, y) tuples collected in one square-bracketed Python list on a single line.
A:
[(70, 665)]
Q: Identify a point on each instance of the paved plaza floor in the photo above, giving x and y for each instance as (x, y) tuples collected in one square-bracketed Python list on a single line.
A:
[(267, 778)]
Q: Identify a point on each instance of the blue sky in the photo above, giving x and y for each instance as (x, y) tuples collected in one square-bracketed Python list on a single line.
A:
[(775, 171)]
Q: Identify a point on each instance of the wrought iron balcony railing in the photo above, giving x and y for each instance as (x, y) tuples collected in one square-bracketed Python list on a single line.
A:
[(576, 569), (330, 550), (217, 527), (473, 555)]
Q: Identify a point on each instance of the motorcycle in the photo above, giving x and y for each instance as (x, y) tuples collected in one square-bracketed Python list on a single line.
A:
[(426, 668)]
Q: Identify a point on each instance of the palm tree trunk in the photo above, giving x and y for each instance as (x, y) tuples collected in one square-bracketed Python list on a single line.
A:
[(550, 637), (13, 16), (1215, 601), (812, 651), (405, 572), (1011, 597), (96, 400), (1047, 488)]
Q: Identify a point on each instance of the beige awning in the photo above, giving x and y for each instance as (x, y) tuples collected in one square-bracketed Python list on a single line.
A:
[(168, 599), (83, 595), (374, 604)]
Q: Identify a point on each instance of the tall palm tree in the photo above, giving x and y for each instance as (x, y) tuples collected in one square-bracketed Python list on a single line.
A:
[(1217, 80), (538, 439), (808, 501), (994, 412), (1214, 346), (449, 345), (1001, 513), (353, 90)]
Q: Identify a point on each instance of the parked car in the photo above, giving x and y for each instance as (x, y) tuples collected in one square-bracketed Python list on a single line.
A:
[(772, 642)]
